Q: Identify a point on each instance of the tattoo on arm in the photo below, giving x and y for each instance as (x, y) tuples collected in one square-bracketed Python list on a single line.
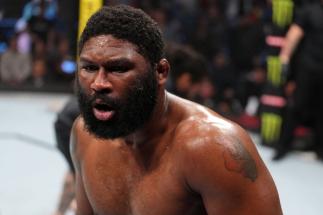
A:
[(238, 159)]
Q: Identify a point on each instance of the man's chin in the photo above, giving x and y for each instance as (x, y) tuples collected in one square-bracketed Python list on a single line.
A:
[(105, 129)]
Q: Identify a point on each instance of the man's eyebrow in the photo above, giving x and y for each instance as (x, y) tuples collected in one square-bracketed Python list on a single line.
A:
[(112, 62), (119, 62), (85, 60)]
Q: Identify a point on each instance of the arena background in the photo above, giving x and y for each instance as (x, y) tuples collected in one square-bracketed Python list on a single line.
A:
[(227, 40)]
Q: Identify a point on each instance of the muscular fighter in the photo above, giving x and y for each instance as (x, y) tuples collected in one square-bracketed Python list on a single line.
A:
[(139, 150)]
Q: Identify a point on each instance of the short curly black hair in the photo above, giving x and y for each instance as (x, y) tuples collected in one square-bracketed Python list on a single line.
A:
[(126, 23)]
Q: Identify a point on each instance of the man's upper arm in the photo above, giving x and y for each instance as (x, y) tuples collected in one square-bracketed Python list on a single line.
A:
[(230, 176), (82, 202)]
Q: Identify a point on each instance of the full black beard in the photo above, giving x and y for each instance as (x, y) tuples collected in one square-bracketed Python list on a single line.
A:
[(131, 112)]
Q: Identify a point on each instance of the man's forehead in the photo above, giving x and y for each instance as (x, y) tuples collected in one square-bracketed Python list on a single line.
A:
[(107, 48), (107, 44), (102, 41)]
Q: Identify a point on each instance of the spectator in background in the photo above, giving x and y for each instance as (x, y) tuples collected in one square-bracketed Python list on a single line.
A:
[(308, 95), (24, 39), (210, 35), (247, 40), (225, 79), (3, 43), (188, 68), (39, 64), (171, 28), (251, 83), (33, 8), (206, 93), (15, 67), (41, 28), (39, 70), (223, 73), (61, 64)]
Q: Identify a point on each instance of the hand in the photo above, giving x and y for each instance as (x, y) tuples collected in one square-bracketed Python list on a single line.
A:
[(284, 59)]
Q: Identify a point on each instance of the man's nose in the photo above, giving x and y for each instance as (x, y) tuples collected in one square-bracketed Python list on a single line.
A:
[(101, 82)]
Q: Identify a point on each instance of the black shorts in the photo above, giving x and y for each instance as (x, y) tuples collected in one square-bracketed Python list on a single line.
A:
[(63, 126)]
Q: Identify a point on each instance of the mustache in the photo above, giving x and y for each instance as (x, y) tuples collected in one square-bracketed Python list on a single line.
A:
[(112, 102)]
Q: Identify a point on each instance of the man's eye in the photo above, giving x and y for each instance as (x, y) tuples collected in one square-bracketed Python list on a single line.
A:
[(89, 68), (118, 69)]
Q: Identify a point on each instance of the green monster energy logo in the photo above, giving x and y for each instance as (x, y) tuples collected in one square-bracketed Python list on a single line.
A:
[(274, 69), (270, 127), (282, 12)]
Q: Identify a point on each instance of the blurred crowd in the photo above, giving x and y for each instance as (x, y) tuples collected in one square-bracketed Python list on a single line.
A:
[(35, 52)]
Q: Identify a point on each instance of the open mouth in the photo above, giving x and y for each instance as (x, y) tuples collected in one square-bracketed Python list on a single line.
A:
[(103, 111)]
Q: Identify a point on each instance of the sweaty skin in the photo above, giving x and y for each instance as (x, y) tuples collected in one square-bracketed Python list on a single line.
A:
[(185, 159)]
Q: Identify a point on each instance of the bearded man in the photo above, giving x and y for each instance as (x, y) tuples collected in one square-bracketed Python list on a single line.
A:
[(140, 150)]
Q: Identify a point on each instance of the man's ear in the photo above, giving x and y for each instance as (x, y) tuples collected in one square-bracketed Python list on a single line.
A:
[(162, 70)]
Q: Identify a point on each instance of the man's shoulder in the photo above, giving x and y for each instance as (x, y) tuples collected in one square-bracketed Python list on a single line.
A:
[(216, 141), (199, 121), (78, 133), (201, 128), (207, 132), (78, 125), (218, 160), (208, 127)]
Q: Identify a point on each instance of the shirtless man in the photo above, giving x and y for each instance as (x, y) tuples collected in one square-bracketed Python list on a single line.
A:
[(139, 150)]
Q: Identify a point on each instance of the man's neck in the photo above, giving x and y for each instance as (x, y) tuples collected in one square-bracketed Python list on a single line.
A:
[(155, 126)]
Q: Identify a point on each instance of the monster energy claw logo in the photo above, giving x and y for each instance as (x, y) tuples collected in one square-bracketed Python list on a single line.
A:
[(274, 69), (282, 12), (270, 127)]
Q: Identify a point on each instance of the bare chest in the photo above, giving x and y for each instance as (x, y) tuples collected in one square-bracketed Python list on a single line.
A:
[(117, 185)]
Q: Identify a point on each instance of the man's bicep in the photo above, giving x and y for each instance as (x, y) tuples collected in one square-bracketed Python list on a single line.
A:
[(231, 178), (75, 147), (82, 202), (239, 197)]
